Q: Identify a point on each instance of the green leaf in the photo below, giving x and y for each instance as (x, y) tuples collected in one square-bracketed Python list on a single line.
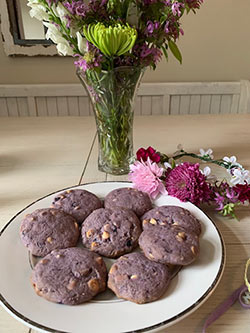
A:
[(164, 50), (174, 49)]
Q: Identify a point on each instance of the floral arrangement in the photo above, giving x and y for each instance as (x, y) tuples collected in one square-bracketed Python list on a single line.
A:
[(157, 173), (104, 34)]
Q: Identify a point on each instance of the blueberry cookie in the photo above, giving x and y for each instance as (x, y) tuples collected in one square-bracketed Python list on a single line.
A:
[(169, 245), (69, 276), (138, 279), (171, 215), (48, 229), (111, 232), (129, 198), (78, 203)]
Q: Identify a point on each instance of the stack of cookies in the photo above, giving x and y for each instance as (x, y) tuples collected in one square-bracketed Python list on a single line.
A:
[(71, 274)]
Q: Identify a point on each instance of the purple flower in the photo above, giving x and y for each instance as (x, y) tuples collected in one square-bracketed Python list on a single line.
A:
[(219, 200), (157, 54), (90, 60), (50, 2), (76, 7), (149, 2), (194, 3), (145, 51), (187, 183), (166, 28), (151, 27), (176, 8)]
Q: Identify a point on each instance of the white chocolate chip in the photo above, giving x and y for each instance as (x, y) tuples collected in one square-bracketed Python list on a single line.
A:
[(105, 235), (93, 285), (49, 240), (153, 221)]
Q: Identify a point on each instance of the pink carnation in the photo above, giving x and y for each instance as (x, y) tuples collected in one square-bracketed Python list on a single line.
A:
[(145, 176), (187, 183)]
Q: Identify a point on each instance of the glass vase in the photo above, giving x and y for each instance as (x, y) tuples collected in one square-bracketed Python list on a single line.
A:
[(112, 94)]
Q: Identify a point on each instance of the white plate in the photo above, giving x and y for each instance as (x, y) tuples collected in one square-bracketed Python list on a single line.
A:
[(187, 291)]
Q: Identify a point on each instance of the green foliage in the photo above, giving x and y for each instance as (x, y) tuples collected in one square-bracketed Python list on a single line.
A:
[(175, 50)]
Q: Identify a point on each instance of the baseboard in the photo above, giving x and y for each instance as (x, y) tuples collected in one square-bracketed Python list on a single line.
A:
[(152, 99)]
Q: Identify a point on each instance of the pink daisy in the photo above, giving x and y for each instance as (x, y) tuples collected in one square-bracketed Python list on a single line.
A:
[(145, 176)]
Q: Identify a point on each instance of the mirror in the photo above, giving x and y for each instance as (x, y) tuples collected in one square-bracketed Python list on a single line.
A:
[(29, 28), (23, 35)]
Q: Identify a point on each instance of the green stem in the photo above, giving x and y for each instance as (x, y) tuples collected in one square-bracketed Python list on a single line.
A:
[(220, 162)]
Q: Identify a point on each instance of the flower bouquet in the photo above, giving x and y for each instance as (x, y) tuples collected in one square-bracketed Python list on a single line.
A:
[(156, 173), (113, 41)]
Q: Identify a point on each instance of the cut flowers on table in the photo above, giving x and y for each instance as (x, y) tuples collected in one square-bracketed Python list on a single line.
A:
[(104, 34), (156, 173)]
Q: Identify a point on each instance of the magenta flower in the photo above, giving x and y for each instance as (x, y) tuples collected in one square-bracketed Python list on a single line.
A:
[(219, 200), (243, 192), (187, 183), (144, 154), (146, 177)]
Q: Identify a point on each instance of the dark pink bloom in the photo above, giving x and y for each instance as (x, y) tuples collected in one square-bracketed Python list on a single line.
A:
[(143, 154), (243, 192), (187, 183)]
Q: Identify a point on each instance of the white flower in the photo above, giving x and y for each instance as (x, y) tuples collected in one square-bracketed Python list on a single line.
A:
[(167, 165), (232, 160), (82, 43), (32, 2), (37, 10), (64, 49), (55, 35), (206, 153), (180, 146), (133, 17), (240, 176), (60, 11), (206, 171), (209, 177)]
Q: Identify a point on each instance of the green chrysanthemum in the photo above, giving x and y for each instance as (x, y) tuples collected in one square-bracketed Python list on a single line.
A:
[(113, 40)]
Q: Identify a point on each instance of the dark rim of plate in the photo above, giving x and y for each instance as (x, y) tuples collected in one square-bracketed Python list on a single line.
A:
[(182, 314)]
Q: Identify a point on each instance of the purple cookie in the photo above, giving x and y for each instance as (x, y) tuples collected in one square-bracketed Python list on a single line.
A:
[(111, 233), (169, 245), (78, 203), (171, 215), (129, 198), (138, 279), (48, 229), (69, 276)]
